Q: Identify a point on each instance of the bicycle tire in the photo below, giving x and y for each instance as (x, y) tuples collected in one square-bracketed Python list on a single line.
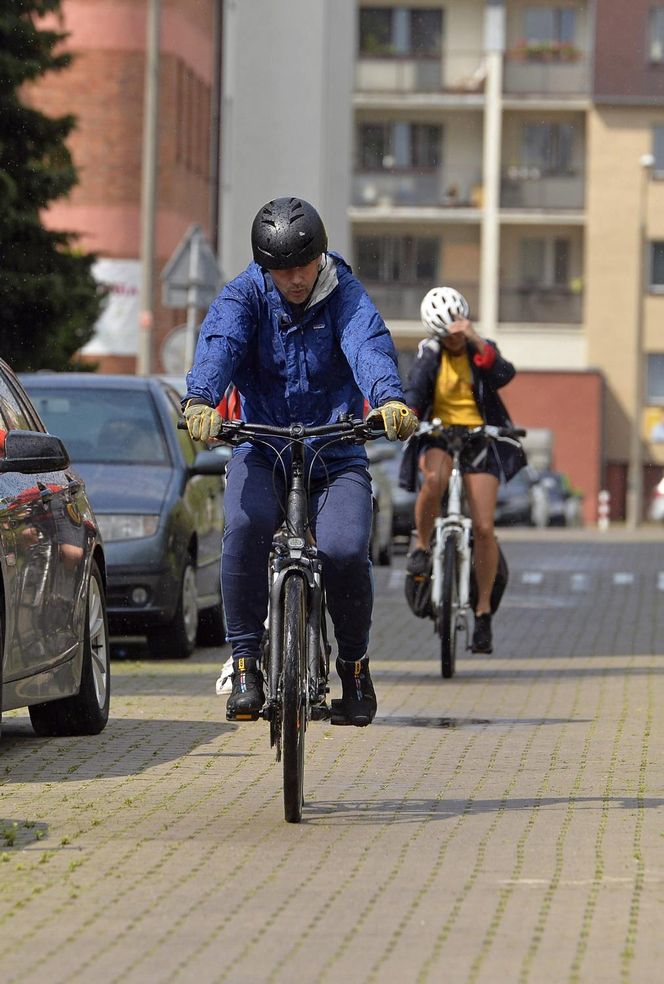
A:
[(293, 697), (447, 613)]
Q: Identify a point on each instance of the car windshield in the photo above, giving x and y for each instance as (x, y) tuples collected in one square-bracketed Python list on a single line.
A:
[(98, 425)]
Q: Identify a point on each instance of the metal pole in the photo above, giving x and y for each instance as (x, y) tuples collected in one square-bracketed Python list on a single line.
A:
[(494, 46), (149, 188), (192, 302), (635, 467)]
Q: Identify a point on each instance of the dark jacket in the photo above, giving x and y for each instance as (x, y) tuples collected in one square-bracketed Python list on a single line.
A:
[(420, 389)]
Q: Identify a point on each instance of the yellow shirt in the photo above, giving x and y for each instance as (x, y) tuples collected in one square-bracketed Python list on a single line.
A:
[(453, 400)]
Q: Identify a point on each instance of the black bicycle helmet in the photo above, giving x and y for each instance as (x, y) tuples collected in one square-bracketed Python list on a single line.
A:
[(286, 233)]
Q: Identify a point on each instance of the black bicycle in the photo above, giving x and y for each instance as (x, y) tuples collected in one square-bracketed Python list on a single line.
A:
[(296, 650)]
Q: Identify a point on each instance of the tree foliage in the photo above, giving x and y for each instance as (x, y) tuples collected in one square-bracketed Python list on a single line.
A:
[(49, 299)]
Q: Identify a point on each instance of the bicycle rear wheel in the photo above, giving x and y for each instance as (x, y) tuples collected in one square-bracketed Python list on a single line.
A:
[(293, 697), (446, 620)]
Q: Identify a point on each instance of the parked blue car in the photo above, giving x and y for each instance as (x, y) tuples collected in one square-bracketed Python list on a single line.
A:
[(158, 498)]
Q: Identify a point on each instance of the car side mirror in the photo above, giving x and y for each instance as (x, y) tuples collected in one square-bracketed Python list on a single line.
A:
[(29, 452), (209, 463)]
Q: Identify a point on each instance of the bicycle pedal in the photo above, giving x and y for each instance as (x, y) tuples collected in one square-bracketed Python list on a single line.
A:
[(320, 712), (337, 713), (243, 715)]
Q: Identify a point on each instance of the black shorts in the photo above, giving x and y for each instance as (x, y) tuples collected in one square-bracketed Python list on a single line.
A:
[(477, 458)]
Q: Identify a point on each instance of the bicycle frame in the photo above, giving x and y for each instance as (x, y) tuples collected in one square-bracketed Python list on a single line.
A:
[(454, 524), (298, 558)]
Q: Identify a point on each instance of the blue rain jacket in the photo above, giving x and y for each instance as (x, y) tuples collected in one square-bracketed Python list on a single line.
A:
[(290, 369)]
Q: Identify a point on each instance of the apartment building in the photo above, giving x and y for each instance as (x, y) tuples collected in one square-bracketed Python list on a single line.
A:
[(513, 148), (502, 147)]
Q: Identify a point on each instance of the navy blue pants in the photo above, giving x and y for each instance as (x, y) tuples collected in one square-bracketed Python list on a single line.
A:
[(340, 515)]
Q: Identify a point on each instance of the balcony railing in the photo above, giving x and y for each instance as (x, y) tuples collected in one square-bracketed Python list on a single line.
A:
[(526, 188), (535, 76), (400, 302), (408, 188), (549, 305), (456, 72)]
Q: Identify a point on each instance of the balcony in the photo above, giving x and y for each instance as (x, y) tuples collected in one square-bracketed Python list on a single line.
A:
[(547, 305), (529, 188), (541, 76), (401, 302), (408, 188), (459, 72)]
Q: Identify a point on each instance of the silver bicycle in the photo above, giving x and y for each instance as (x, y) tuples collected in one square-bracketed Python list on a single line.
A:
[(452, 541)]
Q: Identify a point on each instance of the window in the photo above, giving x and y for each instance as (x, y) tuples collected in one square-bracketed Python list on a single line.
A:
[(400, 31), (657, 266), (390, 146), (397, 259), (545, 262), (656, 35), (658, 150), (655, 378), (552, 24), (547, 147), (11, 412)]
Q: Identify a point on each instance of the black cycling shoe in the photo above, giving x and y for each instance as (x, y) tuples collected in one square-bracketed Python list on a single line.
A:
[(247, 696), (482, 641), (418, 562), (358, 695)]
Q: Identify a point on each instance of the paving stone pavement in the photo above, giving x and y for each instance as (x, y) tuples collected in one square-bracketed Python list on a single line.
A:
[(503, 826)]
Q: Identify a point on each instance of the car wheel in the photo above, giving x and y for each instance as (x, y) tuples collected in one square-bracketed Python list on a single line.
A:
[(87, 712), (177, 639), (211, 626)]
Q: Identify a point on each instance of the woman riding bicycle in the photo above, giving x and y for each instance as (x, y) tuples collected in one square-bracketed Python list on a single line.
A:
[(298, 335), (455, 378)]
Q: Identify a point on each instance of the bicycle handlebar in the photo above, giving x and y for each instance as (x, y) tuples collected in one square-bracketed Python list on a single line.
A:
[(346, 429), (436, 427)]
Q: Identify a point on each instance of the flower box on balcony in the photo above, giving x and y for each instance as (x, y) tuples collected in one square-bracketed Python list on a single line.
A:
[(544, 51)]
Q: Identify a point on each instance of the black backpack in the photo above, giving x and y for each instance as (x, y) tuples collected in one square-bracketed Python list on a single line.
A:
[(499, 585), (418, 588)]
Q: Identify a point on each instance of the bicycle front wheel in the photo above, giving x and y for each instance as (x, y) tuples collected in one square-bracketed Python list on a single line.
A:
[(293, 697), (446, 620)]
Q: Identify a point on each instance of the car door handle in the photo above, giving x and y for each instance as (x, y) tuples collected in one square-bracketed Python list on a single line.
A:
[(45, 494)]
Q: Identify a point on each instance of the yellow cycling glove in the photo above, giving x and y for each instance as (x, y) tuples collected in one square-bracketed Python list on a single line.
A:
[(203, 422), (397, 419)]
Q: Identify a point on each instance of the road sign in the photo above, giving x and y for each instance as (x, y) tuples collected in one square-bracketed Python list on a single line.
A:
[(191, 280), (191, 277)]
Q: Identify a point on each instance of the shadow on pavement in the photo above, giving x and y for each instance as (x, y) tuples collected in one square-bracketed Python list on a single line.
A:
[(453, 723), (413, 810), (126, 747)]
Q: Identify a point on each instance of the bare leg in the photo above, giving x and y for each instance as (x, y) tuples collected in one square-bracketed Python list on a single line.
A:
[(435, 466), (482, 490)]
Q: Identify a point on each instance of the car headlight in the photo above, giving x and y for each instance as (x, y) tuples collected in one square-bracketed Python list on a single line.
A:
[(126, 526)]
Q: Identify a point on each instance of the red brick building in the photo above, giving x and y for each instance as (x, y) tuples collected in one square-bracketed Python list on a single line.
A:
[(104, 89)]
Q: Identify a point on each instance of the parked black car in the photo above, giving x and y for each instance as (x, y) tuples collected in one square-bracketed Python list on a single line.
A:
[(158, 497), (522, 501), (54, 649)]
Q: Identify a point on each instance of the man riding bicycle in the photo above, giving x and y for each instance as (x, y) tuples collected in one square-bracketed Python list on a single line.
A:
[(298, 335), (455, 378)]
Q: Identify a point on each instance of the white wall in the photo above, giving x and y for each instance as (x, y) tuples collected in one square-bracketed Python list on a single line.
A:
[(286, 115)]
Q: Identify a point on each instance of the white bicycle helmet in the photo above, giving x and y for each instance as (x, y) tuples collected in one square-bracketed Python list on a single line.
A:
[(439, 307)]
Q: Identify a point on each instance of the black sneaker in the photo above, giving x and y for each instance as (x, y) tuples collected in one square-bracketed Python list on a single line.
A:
[(358, 697), (482, 642), (247, 696), (418, 562)]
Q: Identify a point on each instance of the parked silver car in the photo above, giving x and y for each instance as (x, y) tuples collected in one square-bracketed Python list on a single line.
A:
[(54, 646)]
